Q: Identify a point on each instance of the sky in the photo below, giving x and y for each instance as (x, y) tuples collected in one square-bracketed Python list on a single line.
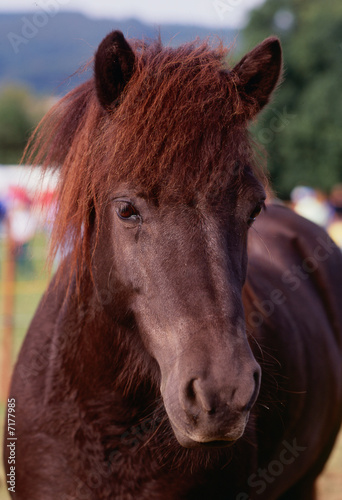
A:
[(211, 13)]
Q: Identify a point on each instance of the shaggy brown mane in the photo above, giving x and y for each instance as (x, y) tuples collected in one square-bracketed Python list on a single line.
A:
[(178, 130)]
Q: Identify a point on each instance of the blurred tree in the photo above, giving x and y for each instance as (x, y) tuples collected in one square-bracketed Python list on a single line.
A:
[(19, 114), (301, 130)]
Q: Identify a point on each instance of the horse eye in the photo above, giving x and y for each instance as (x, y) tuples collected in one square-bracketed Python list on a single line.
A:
[(127, 211), (255, 213)]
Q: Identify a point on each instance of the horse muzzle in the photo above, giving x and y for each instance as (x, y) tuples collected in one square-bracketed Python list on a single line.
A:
[(210, 410)]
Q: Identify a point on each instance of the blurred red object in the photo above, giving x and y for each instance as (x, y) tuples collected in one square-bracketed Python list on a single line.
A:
[(46, 198), (20, 194)]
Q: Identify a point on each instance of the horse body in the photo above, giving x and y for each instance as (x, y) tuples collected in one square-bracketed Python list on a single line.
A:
[(140, 372), (292, 305)]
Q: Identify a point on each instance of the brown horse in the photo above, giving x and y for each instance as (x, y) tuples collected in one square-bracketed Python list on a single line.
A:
[(153, 369)]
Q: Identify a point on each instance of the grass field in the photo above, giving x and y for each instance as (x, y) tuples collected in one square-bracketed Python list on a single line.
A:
[(30, 284)]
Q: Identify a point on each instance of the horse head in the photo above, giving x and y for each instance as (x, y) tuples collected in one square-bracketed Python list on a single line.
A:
[(159, 179), (178, 255)]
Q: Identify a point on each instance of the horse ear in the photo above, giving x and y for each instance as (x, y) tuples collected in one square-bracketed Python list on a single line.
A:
[(258, 74), (114, 64)]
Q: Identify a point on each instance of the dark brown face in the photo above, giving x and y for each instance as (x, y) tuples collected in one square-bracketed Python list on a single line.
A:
[(181, 269), (179, 266)]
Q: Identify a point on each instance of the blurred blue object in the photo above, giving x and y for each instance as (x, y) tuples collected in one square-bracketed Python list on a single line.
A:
[(2, 211)]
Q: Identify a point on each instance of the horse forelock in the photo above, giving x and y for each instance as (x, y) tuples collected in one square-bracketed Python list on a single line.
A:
[(179, 129), (180, 125)]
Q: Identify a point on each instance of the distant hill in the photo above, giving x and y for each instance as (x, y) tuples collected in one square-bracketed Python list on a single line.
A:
[(41, 50)]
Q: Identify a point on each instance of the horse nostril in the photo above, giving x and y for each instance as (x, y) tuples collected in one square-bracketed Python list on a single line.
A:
[(190, 390), (196, 397), (189, 401), (256, 378), (199, 395), (204, 397)]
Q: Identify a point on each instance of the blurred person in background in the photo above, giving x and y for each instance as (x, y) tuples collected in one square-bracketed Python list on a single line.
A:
[(2, 212), (311, 204), (335, 227), (21, 227)]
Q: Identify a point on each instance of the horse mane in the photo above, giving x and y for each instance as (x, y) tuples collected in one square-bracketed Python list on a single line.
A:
[(179, 129)]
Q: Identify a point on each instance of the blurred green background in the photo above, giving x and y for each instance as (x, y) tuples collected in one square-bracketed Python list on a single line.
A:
[(304, 144)]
